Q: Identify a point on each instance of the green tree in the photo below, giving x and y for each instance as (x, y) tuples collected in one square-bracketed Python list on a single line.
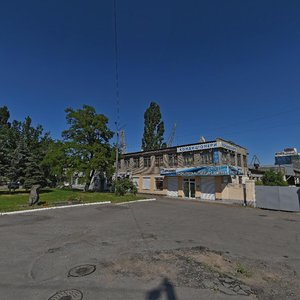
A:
[(4, 130), (87, 142), (153, 138), (55, 163), (273, 178), (23, 148), (4, 116)]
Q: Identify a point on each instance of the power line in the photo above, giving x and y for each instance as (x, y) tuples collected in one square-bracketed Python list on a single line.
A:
[(116, 63)]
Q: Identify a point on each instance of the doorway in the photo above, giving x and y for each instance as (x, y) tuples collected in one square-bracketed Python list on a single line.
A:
[(208, 189), (189, 188)]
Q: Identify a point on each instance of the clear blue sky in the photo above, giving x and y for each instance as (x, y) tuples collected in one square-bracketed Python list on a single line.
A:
[(226, 69)]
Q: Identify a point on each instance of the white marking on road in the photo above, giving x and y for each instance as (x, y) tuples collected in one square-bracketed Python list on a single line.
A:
[(54, 207), (135, 201)]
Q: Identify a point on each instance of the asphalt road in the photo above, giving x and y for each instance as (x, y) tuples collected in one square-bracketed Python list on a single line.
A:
[(166, 249)]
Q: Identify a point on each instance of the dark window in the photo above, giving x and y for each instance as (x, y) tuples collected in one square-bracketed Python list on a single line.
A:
[(232, 159), (147, 161), (188, 159), (136, 162), (239, 160), (206, 157), (173, 160), (245, 160), (126, 163), (159, 161), (159, 183)]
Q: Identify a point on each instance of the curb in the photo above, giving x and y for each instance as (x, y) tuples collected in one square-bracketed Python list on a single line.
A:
[(136, 201), (50, 208), (70, 206)]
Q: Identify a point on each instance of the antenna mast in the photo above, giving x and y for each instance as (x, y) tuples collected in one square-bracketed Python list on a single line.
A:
[(117, 89)]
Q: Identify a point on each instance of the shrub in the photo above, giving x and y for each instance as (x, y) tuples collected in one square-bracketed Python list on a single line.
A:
[(123, 186), (273, 178)]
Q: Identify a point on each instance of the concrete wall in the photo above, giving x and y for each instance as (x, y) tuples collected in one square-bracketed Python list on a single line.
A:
[(278, 198), (235, 192)]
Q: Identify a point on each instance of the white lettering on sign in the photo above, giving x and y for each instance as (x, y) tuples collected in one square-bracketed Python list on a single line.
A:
[(197, 147), (206, 146)]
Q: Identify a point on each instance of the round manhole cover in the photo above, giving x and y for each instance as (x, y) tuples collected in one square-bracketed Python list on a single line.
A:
[(67, 295), (81, 271)]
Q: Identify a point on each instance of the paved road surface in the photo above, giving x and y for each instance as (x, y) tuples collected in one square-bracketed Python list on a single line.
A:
[(140, 250)]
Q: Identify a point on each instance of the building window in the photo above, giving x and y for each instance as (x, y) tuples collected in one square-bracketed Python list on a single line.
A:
[(206, 157), (225, 157), (232, 159), (159, 161), (135, 181), (136, 162), (173, 160), (146, 183), (239, 160), (147, 161), (245, 161), (188, 159), (127, 163), (159, 183)]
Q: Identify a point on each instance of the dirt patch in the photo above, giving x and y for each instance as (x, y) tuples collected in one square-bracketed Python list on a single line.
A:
[(202, 268)]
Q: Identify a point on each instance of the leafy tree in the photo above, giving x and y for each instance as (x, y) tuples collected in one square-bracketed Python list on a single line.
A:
[(273, 178), (55, 163), (87, 142), (153, 129)]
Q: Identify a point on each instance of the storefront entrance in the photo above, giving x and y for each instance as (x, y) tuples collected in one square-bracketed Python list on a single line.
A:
[(189, 188), (208, 189)]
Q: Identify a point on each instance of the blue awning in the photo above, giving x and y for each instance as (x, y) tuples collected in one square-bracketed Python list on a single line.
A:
[(224, 170)]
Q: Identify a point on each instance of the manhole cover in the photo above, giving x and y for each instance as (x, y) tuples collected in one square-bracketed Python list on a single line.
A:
[(67, 295), (81, 271)]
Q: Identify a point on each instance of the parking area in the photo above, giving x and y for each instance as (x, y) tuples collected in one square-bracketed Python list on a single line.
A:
[(165, 249)]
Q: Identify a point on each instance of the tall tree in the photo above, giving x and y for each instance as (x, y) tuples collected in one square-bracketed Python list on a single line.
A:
[(4, 116), (154, 129), (22, 148), (87, 142)]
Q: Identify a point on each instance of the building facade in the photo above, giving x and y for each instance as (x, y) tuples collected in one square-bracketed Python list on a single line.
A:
[(209, 170)]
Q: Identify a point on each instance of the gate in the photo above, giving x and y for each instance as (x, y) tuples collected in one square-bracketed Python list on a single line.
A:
[(278, 198)]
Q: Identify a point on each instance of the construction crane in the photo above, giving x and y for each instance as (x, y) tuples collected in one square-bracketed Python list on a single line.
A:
[(255, 162), (172, 135)]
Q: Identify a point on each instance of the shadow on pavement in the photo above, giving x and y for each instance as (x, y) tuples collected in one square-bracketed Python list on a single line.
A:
[(164, 289)]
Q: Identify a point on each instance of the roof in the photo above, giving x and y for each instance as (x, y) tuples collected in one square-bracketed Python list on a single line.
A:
[(184, 145)]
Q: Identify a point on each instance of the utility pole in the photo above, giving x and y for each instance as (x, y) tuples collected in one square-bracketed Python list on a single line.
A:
[(117, 153)]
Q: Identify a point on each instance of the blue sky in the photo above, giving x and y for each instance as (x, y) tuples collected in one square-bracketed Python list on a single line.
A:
[(226, 69)]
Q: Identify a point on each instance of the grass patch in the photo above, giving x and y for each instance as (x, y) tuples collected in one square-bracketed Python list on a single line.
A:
[(241, 269), (19, 200)]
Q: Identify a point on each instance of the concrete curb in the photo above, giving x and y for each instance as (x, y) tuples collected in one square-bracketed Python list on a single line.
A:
[(70, 206), (136, 201), (50, 208)]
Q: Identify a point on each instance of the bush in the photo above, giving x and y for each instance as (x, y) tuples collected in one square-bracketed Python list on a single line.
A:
[(272, 178), (123, 186)]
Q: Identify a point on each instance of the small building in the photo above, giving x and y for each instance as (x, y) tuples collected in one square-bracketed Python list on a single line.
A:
[(206, 170)]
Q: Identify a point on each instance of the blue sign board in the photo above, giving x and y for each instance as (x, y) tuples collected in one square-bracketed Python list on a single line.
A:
[(224, 170)]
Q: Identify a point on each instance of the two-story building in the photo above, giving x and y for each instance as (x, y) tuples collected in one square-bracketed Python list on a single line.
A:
[(208, 170)]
